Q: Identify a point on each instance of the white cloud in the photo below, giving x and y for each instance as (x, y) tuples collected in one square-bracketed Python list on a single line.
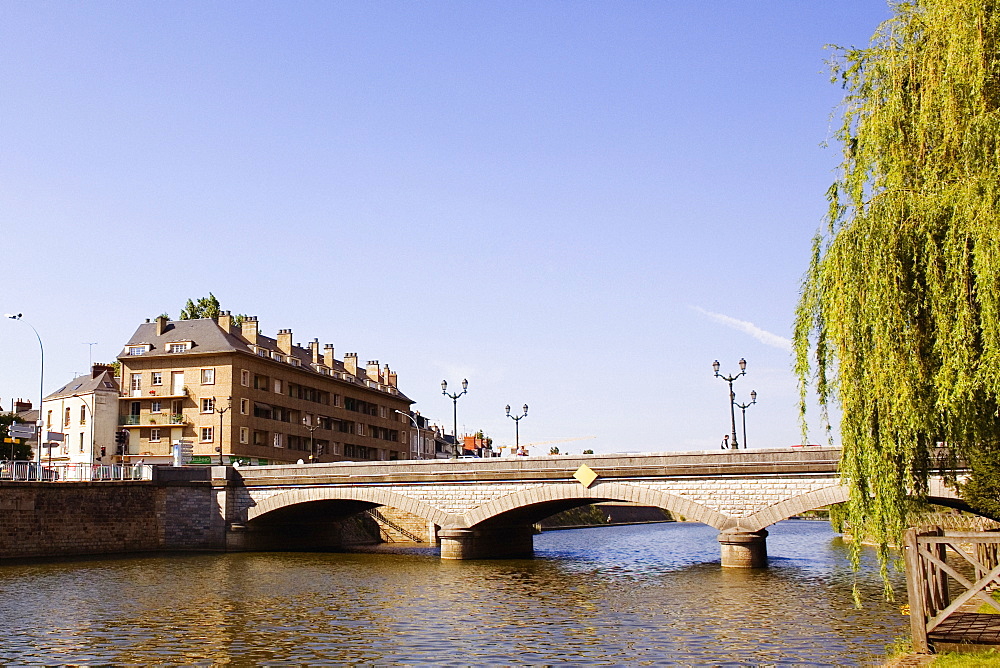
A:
[(764, 336)]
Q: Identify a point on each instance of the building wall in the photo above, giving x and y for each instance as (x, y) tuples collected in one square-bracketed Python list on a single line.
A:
[(242, 423), (100, 419)]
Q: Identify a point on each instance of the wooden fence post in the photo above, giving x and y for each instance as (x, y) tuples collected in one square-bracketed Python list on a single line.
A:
[(916, 588)]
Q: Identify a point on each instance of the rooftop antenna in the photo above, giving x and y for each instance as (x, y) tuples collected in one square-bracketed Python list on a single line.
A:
[(90, 349)]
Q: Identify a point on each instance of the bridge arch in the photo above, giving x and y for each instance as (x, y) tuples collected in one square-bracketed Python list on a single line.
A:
[(374, 495), (534, 504)]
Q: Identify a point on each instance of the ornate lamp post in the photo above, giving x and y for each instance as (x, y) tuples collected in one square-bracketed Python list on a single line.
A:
[(454, 398), (734, 444), (743, 408), (312, 440), (222, 411), (41, 385), (517, 422)]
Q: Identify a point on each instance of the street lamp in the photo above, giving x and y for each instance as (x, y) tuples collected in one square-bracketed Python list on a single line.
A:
[(417, 428), (732, 410), (744, 407), (517, 423), (222, 411), (41, 385), (312, 439), (454, 398)]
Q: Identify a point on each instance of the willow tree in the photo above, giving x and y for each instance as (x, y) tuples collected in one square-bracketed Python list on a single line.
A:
[(899, 320)]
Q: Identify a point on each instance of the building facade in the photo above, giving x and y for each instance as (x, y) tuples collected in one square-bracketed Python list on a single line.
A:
[(83, 413), (230, 393)]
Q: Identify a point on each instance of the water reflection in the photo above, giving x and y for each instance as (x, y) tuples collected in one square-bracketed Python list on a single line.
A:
[(617, 595)]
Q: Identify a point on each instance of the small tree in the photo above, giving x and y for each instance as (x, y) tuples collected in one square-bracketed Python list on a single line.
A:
[(588, 452), (554, 450), (206, 307)]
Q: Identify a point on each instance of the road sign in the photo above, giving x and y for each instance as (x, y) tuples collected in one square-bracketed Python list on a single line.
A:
[(11, 440), (55, 436), (21, 430)]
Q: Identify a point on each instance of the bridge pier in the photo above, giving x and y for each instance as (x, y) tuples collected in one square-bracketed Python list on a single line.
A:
[(493, 543), (744, 549)]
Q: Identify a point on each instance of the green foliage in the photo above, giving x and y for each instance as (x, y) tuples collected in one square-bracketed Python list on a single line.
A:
[(588, 452), (980, 490), (554, 450), (206, 307), (899, 318)]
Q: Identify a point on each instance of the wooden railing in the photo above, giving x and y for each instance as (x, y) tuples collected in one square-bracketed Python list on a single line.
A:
[(943, 600)]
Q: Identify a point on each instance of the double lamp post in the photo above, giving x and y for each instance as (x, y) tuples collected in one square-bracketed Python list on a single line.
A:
[(734, 443)]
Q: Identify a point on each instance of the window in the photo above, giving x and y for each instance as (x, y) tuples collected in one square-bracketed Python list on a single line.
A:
[(178, 347), (361, 429), (277, 386), (48, 420), (336, 400), (381, 410), (244, 435), (277, 356), (245, 378), (260, 437), (154, 435), (156, 407), (262, 352), (260, 382), (83, 415), (206, 434), (136, 382), (244, 407), (137, 350), (66, 419), (207, 405), (277, 440), (81, 441), (157, 378), (208, 376)]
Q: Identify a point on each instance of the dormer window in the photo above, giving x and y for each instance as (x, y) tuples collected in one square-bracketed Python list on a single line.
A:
[(138, 350), (262, 352), (277, 357), (178, 346), (294, 361)]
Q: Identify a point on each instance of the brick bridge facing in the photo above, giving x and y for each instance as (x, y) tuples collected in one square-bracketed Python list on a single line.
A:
[(486, 508)]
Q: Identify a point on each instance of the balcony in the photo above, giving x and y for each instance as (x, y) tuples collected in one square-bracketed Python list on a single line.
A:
[(155, 420)]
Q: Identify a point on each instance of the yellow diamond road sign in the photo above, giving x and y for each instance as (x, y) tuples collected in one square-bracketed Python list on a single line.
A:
[(585, 475)]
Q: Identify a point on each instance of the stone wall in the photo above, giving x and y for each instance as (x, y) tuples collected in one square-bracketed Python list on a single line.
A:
[(68, 519)]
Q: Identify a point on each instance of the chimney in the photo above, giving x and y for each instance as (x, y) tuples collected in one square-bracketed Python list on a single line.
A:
[(21, 405), (314, 349), (249, 329), (225, 321), (351, 363), (328, 355), (390, 376), (97, 369), (161, 324), (285, 341), (372, 370)]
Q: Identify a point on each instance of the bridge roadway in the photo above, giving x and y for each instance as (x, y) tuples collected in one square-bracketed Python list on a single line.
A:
[(486, 508)]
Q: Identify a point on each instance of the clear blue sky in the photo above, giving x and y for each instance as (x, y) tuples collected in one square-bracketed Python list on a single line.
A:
[(572, 204)]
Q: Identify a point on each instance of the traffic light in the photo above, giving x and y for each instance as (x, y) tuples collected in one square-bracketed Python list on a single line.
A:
[(319, 449), (104, 451), (121, 437)]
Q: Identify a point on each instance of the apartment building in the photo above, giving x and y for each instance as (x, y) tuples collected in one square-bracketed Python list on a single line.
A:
[(233, 394), (83, 413)]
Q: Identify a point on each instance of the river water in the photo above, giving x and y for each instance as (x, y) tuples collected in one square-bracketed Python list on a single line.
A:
[(626, 595)]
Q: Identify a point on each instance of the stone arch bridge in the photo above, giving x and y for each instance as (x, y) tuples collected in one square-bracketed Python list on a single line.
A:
[(486, 508)]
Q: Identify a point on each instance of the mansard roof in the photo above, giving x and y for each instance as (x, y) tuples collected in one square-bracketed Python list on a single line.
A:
[(206, 336)]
